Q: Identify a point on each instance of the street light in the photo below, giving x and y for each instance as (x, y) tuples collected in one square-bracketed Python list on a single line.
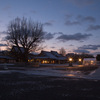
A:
[(70, 61), (80, 61)]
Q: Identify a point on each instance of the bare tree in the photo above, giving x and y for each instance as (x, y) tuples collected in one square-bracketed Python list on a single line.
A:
[(62, 51), (25, 33)]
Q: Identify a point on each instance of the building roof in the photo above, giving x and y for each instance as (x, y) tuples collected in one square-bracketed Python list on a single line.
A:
[(56, 54), (52, 55), (59, 56), (40, 57), (17, 50), (89, 59), (49, 55), (6, 57)]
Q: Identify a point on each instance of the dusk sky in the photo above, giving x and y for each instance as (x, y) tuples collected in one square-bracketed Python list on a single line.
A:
[(71, 24)]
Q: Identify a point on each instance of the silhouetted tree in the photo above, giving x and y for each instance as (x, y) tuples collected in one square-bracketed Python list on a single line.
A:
[(26, 34), (98, 57), (62, 51)]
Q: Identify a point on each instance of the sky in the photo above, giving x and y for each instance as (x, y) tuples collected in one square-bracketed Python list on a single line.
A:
[(70, 24)]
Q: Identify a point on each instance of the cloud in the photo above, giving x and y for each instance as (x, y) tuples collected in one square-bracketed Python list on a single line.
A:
[(49, 23), (76, 36), (95, 53), (81, 51), (81, 41), (89, 18), (2, 45), (89, 47), (6, 8), (53, 47), (68, 22), (68, 16), (2, 35), (78, 20), (58, 33), (86, 48), (71, 45), (3, 32), (86, 18), (33, 11), (93, 27), (81, 3), (48, 36)]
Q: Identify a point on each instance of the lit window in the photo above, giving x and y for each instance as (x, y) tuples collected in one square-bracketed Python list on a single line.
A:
[(92, 61)]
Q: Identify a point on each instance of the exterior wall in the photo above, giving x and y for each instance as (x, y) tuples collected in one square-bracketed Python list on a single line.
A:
[(43, 61), (11, 61), (87, 62), (48, 61), (2, 60)]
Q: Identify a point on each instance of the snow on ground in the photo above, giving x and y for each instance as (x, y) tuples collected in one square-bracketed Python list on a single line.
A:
[(49, 71), (5, 71), (94, 74)]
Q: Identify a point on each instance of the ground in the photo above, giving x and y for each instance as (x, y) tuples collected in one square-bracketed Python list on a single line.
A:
[(16, 85)]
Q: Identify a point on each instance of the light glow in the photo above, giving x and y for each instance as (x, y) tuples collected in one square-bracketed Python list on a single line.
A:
[(92, 61), (80, 59), (70, 59)]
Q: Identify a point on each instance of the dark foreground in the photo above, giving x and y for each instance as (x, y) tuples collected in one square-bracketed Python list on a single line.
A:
[(18, 86)]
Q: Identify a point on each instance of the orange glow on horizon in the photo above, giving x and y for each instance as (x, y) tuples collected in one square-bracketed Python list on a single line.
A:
[(3, 48)]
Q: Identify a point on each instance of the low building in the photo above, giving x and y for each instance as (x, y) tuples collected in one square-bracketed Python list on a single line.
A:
[(46, 57), (89, 61), (7, 59), (60, 58)]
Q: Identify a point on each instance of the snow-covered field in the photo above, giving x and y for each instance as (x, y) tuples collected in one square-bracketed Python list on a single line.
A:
[(54, 71)]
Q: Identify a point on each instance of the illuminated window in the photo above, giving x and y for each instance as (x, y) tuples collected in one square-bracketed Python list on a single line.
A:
[(92, 61), (45, 61)]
